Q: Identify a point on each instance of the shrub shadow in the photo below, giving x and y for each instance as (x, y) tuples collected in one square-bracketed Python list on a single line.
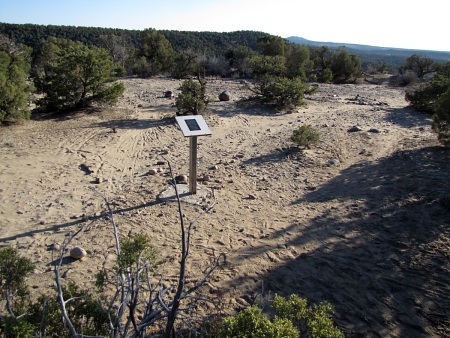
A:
[(378, 252), (408, 117)]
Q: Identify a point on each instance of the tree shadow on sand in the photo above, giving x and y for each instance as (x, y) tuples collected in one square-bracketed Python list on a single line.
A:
[(251, 107), (135, 123), (408, 118), (378, 252)]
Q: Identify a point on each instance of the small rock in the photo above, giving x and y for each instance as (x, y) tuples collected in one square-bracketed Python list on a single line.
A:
[(168, 94), (160, 162), (374, 130), (98, 180), (354, 129), (181, 179), (54, 247), (224, 96), (333, 161), (152, 172), (77, 252)]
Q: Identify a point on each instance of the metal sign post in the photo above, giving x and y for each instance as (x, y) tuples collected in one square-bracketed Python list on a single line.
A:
[(193, 126)]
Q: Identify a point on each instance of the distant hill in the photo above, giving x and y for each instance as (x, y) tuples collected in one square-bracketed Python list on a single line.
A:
[(382, 51), (394, 57)]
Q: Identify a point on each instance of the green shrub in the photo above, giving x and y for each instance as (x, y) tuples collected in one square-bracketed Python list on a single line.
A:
[(427, 96), (305, 136), (441, 118), (192, 98), (281, 92), (434, 97), (12, 328), (315, 320), (251, 323), (133, 249), (14, 87), (292, 316), (85, 312), (13, 272), (80, 76)]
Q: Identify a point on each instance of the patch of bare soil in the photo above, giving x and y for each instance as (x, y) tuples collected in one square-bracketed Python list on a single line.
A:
[(360, 220)]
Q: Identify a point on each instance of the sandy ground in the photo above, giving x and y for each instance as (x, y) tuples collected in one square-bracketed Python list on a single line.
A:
[(360, 220)]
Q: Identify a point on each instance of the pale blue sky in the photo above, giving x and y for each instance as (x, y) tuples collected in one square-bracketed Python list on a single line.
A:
[(385, 23)]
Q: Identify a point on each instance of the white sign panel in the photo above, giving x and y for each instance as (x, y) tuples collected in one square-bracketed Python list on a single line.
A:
[(193, 125)]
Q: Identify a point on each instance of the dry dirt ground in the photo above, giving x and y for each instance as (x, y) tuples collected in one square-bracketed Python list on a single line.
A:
[(360, 220)]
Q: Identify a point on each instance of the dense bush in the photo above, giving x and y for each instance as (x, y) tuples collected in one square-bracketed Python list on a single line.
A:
[(14, 87), (434, 97), (292, 317), (281, 92), (252, 323), (14, 270), (192, 98), (305, 136), (345, 66), (419, 65), (426, 97), (74, 76), (441, 118), (155, 55)]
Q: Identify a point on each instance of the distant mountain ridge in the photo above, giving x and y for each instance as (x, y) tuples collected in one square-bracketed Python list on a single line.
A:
[(374, 50)]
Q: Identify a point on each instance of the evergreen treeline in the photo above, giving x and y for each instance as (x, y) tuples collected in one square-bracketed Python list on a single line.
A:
[(210, 43)]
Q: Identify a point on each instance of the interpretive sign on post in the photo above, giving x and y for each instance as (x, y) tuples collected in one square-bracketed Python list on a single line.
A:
[(193, 126)]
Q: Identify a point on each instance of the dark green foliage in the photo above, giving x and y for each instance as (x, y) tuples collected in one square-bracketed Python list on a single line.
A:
[(212, 43), (441, 118), (345, 66), (155, 52), (321, 60), (419, 65), (192, 99), (325, 76), (298, 63), (84, 311), (281, 92), (271, 45), (134, 249), (185, 63), (14, 87), (334, 65), (434, 97), (292, 317), (315, 320), (74, 76), (267, 65), (305, 136), (238, 59), (13, 328), (31, 35), (251, 323), (425, 98), (14, 269)]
